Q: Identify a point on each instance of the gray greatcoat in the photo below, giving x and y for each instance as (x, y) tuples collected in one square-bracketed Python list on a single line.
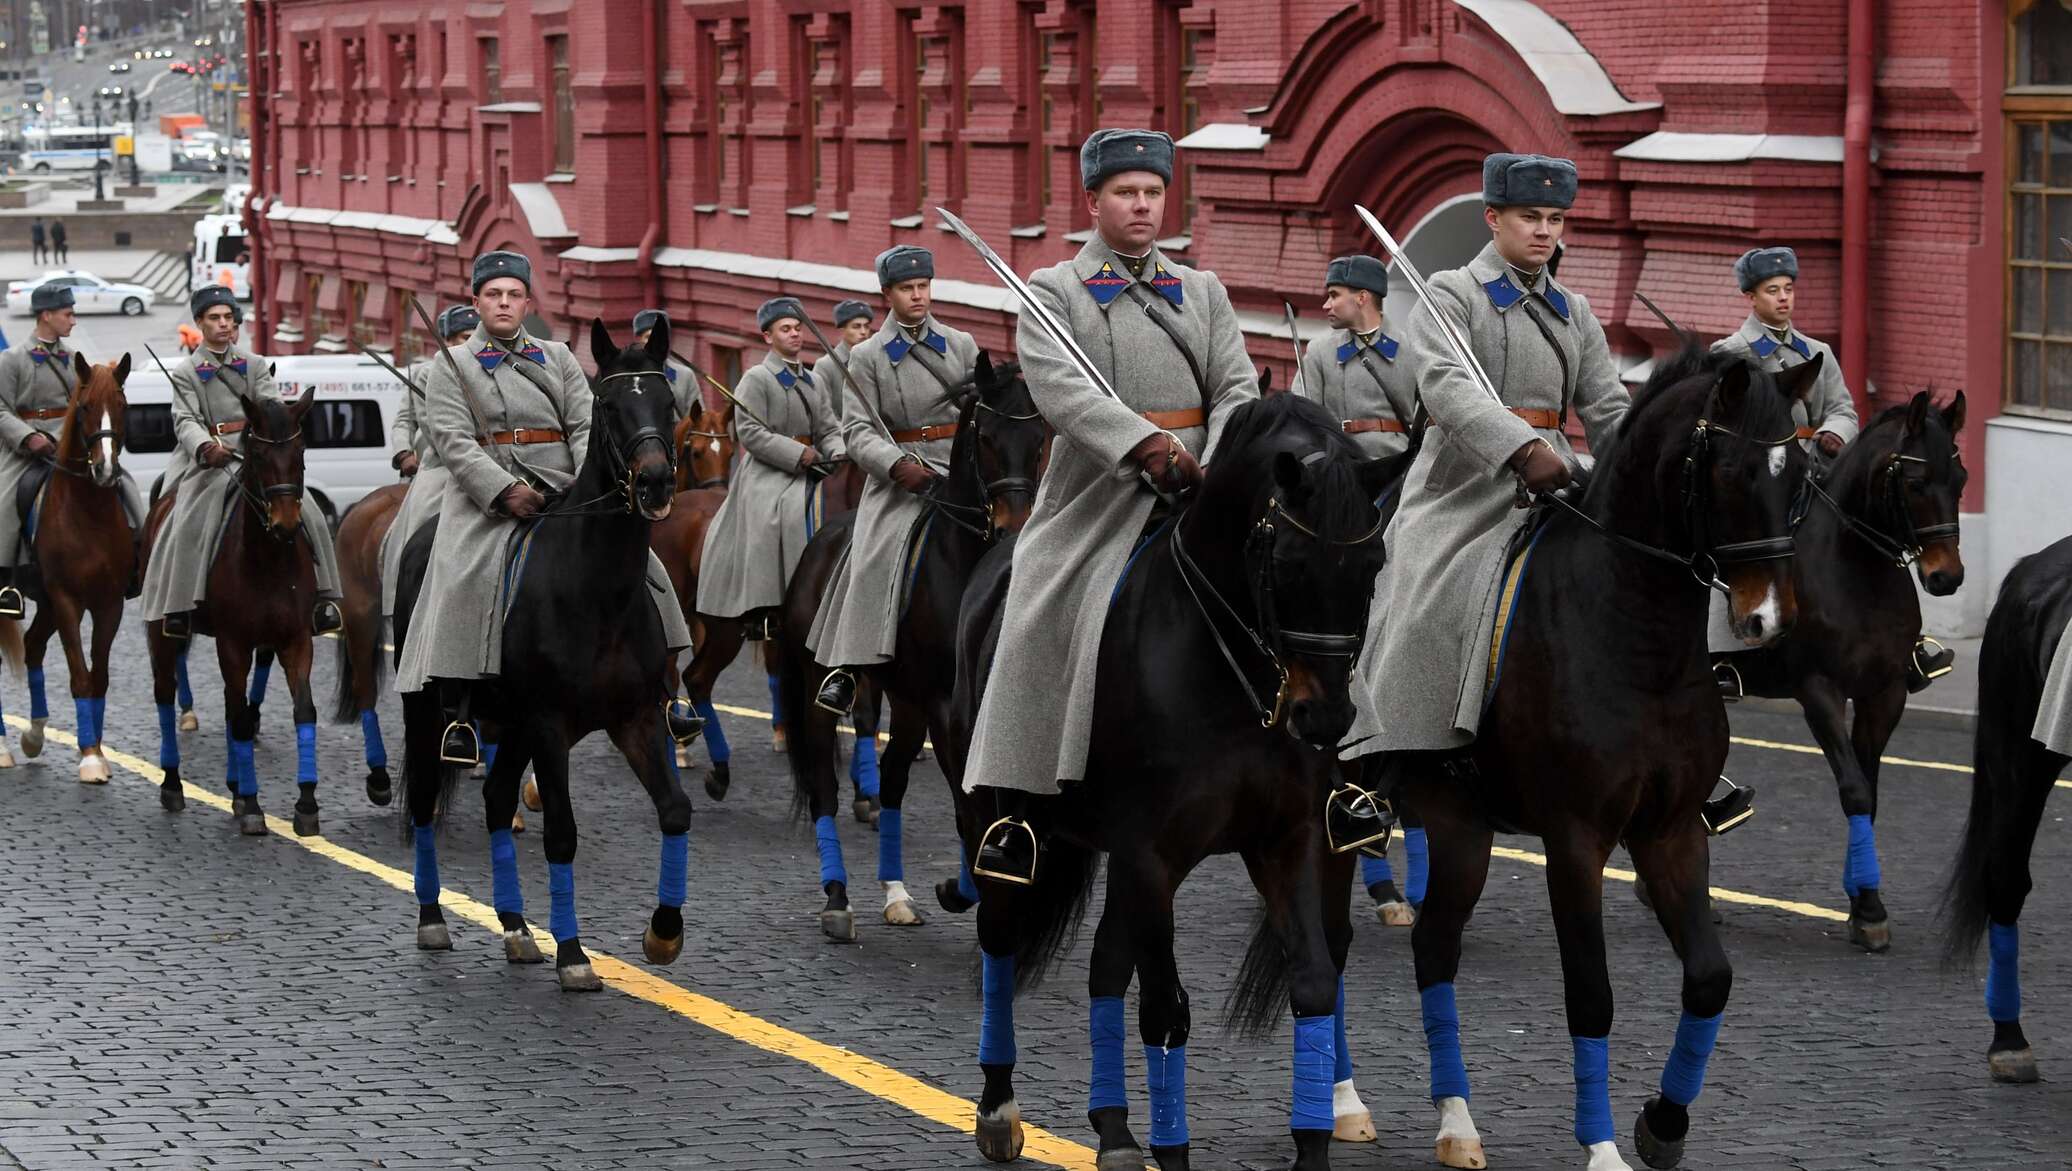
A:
[(1036, 720), (1421, 678), (1354, 380), (427, 490), (27, 384), (456, 630), (772, 507), (683, 386), (858, 622), (1828, 407), (2054, 710), (827, 376), (177, 576)]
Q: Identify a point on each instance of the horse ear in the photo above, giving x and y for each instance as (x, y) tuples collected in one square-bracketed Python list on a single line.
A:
[(1799, 381), (304, 401), (1288, 473), (122, 370), (1733, 383), (1953, 415), (82, 369), (1265, 381), (658, 341), (602, 350), (984, 367), (1917, 412)]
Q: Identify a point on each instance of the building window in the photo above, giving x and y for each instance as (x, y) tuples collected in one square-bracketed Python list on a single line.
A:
[(492, 71), (2039, 219), (564, 107), (2040, 49)]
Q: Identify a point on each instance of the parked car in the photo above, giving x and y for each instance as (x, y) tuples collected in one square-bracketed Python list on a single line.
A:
[(119, 67), (90, 294)]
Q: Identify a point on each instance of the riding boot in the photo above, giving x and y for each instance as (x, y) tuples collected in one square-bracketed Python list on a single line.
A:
[(683, 721), (459, 745), (1728, 677), (755, 627), (1009, 850), (1355, 818), (1724, 812), (837, 692), (179, 624), (1925, 665), (12, 604), (326, 619), (135, 588)]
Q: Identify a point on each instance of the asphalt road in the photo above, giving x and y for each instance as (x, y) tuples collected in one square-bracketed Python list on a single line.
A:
[(179, 996)]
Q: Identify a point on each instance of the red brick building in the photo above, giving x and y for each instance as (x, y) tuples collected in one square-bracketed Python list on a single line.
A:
[(777, 145)]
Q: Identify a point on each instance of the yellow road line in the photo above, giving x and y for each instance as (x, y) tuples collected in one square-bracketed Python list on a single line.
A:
[(1814, 750), (854, 1069)]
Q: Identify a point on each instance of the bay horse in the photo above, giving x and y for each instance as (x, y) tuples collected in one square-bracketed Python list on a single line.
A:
[(584, 651), (704, 447), (360, 663), (261, 592), (2011, 781), (1193, 753), (1888, 503), (1604, 725), (86, 555), (996, 459)]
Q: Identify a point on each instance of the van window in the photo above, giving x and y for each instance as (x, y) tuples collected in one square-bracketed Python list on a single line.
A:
[(148, 428), (230, 250), (345, 423)]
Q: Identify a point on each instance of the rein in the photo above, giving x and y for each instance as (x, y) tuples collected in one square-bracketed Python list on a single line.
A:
[(623, 486), (990, 491), (86, 442), (1902, 553), (260, 499)]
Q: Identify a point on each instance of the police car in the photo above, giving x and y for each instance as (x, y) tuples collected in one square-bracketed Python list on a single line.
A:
[(90, 294)]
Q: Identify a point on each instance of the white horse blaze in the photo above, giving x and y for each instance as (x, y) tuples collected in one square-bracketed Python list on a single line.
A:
[(1778, 455), (1768, 613), (107, 440)]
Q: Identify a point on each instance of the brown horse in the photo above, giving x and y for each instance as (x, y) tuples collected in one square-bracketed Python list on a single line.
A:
[(261, 592), (704, 447), (360, 659), (83, 546)]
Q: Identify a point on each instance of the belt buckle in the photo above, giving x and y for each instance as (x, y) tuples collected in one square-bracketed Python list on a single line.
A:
[(929, 433), (1346, 426)]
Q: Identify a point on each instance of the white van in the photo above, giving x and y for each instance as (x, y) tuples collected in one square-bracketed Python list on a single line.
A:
[(346, 432), (222, 255)]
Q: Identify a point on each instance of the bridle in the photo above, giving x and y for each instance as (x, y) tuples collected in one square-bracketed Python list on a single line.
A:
[(626, 492), (1891, 493), (261, 500), (1270, 639), (719, 481), (1706, 560), (74, 403), (990, 491)]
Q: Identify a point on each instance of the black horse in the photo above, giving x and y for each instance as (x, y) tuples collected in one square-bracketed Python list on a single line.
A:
[(1888, 503), (1223, 679), (2011, 781), (1605, 725), (584, 650), (996, 458)]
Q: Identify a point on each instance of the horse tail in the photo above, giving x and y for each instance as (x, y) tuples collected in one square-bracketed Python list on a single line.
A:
[(795, 709), (1259, 1001), (345, 699), (11, 648), (424, 720), (1048, 914)]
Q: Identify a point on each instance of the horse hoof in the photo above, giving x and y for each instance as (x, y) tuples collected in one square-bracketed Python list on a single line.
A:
[(252, 824), (531, 794), (718, 781), (1354, 1128), (683, 756), (903, 913), (380, 790), (93, 770), (172, 800), (32, 739), (578, 978), (306, 825), (839, 926), (434, 937), (659, 950), (861, 807), (1460, 1152), (517, 821), (189, 722), (1655, 1152), (1000, 1136), (2014, 1067), (1875, 938), (778, 744), (1396, 914), (521, 948), (6, 755), (1120, 1159)]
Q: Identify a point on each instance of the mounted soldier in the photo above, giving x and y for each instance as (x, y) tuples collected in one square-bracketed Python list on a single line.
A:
[(785, 426), (37, 384), (682, 383), (509, 416), (852, 329), (415, 458), (904, 380), (1354, 371), (209, 391), (1134, 312)]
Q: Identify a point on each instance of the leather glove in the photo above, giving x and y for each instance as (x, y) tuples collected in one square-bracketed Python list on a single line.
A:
[(913, 475), (1167, 464), (522, 501), (406, 463), (1830, 443), (38, 444), (215, 455), (808, 456), (1540, 468)]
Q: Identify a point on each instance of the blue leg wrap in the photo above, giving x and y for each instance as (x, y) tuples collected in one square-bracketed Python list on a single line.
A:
[(427, 865), (39, 703), (1342, 1067), (370, 732), (83, 714), (247, 768), (488, 752), (863, 766), (1104, 1035), (996, 1024), (1314, 1059), (891, 855), (561, 894), (676, 869), (305, 754), (505, 891), (260, 675), (100, 717), (1419, 865), (966, 884), (186, 692), (1442, 1042), (3, 727), (831, 868), (2004, 972), (1683, 1075), (1593, 1090), (168, 736), (715, 735), (1167, 1069), (1375, 871), (1860, 873), (776, 701)]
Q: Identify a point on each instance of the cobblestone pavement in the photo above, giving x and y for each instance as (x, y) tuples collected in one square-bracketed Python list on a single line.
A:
[(179, 996)]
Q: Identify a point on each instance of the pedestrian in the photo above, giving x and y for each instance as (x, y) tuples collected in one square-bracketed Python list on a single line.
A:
[(59, 253), (36, 238)]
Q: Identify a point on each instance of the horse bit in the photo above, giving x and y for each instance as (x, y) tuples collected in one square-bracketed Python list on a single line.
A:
[(1902, 553)]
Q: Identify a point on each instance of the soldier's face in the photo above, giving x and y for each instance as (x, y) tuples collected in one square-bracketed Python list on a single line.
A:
[(1772, 299), (1349, 308), (786, 336), (856, 330), (503, 304), (910, 299), (1525, 236), (57, 323), (1127, 210), (218, 327)]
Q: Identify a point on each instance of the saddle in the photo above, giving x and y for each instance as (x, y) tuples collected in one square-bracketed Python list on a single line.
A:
[(1517, 558), (27, 492)]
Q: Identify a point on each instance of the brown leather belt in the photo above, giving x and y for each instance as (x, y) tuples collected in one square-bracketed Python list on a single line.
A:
[(230, 428), (803, 440), (1176, 420), (1365, 426), (928, 434), (1543, 419), (525, 435), (1803, 433), (45, 413)]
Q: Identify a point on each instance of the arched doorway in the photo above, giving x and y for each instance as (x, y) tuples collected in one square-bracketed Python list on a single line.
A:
[(1448, 236)]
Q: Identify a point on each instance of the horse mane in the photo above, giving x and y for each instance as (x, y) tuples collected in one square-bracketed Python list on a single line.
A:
[(1340, 508)]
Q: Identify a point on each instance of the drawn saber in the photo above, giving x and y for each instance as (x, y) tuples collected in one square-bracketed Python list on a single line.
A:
[(1462, 352), (1031, 306), (1295, 340), (385, 364), (475, 411), (842, 367), (1683, 335), (722, 388)]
